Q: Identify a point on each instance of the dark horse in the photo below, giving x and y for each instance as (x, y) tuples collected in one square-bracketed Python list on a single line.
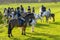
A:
[(50, 16), (14, 22)]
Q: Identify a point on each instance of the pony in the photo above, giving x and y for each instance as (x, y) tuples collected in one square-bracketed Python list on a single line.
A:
[(14, 22), (48, 15), (33, 23), (38, 16)]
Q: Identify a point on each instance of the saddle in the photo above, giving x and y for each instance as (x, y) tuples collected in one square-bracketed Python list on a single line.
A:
[(20, 21), (23, 14)]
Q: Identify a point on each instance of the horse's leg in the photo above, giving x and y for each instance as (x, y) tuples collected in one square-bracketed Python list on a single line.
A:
[(32, 28), (53, 19), (9, 30), (47, 19), (22, 30), (41, 20)]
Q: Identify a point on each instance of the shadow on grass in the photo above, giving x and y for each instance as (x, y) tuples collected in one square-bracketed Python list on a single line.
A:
[(15, 38), (35, 38), (40, 25), (1, 31), (57, 23), (55, 37)]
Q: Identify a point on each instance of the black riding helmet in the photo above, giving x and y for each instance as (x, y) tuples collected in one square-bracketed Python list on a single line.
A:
[(18, 8), (22, 9), (29, 9), (33, 9)]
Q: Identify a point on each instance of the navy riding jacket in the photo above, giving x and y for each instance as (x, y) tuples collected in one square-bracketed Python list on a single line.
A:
[(18, 13)]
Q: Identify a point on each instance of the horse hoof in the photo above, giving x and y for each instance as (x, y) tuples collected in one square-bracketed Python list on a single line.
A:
[(22, 33), (9, 36), (12, 35)]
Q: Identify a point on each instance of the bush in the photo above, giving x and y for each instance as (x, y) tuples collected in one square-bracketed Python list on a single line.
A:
[(1, 16)]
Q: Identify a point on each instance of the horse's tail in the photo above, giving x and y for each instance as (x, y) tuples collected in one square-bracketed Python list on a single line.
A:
[(53, 17)]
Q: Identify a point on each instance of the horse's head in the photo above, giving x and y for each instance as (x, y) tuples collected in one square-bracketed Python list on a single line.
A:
[(28, 17)]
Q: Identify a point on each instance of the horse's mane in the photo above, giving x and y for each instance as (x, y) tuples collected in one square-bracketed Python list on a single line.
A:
[(29, 14)]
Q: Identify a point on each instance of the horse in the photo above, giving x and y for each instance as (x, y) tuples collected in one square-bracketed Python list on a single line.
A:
[(38, 16), (48, 15), (33, 23), (7, 15), (14, 22)]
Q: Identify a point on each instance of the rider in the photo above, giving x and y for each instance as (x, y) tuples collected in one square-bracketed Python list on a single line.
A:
[(20, 18), (33, 9), (29, 9), (8, 12), (12, 13), (5, 11), (43, 9), (22, 9), (18, 12)]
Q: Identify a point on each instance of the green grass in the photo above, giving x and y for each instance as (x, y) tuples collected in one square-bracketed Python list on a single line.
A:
[(42, 31)]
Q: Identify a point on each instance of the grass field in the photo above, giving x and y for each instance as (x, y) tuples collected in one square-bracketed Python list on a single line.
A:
[(42, 31)]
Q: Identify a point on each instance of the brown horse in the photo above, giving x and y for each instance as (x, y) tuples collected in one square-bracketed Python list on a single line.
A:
[(14, 22)]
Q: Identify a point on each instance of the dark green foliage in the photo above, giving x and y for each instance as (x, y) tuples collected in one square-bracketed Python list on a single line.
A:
[(1, 16)]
